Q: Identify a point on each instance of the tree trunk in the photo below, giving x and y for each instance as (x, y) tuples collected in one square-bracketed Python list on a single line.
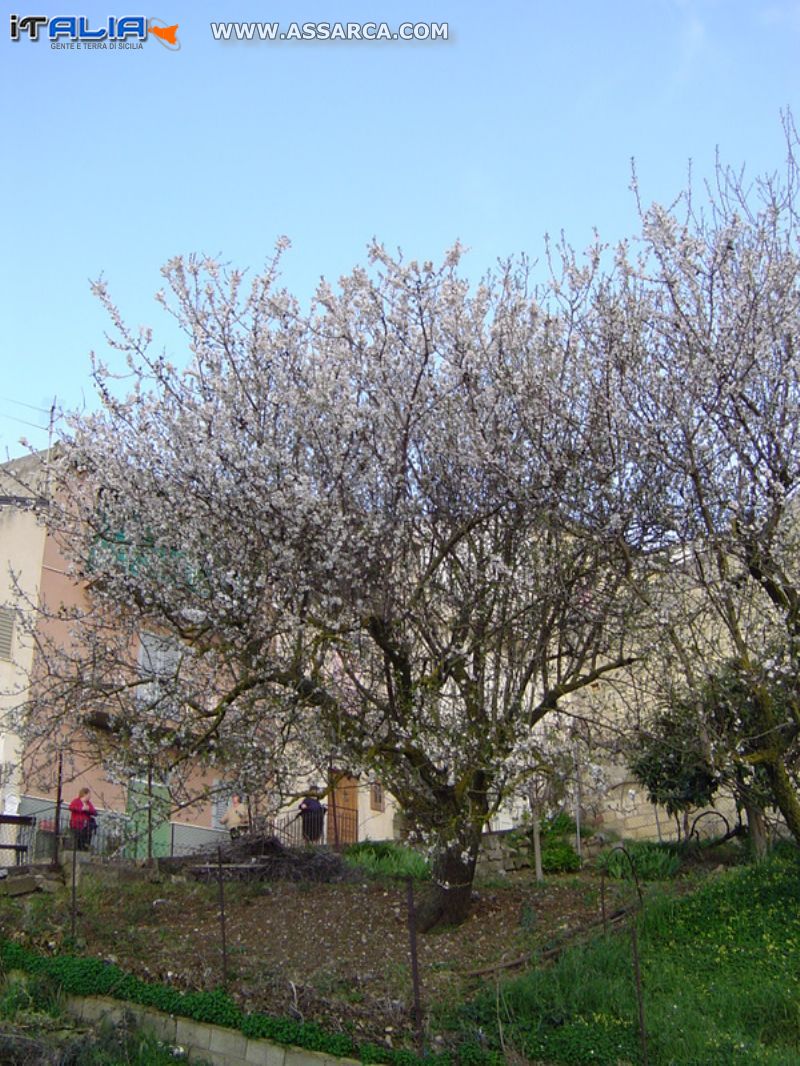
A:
[(784, 793), (772, 759), (537, 846), (448, 899), (757, 829)]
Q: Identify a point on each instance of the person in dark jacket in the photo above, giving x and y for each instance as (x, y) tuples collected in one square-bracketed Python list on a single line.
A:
[(312, 816)]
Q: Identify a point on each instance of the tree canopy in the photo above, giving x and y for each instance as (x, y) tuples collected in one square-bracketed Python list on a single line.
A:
[(396, 529)]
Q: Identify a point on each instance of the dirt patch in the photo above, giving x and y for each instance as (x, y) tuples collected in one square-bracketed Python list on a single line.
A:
[(333, 953)]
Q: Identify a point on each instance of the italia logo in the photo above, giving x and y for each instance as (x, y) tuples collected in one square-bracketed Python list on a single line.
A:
[(80, 29)]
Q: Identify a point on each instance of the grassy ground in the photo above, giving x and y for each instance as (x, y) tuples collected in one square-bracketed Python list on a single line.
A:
[(337, 954), (720, 962), (720, 975)]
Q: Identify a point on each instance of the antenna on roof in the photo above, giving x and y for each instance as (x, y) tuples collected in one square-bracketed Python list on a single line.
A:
[(50, 426)]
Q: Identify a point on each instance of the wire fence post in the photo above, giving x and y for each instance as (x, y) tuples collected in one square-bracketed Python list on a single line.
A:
[(149, 815), (222, 916), (412, 943), (334, 813), (637, 973), (59, 797), (578, 801), (74, 906)]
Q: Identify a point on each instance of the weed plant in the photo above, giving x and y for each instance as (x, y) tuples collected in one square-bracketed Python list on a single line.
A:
[(25, 998), (556, 835), (653, 862), (559, 857), (721, 977), (562, 824)]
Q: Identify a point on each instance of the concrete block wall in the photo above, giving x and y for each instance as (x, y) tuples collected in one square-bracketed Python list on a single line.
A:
[(204, 1043)]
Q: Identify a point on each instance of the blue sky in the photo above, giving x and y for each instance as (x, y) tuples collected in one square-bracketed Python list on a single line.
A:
[(522, 123)]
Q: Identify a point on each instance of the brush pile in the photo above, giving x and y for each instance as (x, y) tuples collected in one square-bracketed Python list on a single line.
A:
[(258, 857)]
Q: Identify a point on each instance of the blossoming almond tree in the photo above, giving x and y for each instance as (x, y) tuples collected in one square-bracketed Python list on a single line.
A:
[(384, 531), (703, 322)]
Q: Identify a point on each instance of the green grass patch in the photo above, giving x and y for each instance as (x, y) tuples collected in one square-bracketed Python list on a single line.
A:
[(721, 975), (652, 862), (23, 999), (383, 858), (559, 857)]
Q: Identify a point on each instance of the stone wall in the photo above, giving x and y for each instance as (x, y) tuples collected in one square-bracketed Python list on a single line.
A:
[(207, 1043), (502, 852), (627, 811)]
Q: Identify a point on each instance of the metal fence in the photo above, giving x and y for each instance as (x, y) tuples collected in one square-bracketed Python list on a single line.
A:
[(122, 836), (110, 837), (114, 836), (16, 834), (336, 828)]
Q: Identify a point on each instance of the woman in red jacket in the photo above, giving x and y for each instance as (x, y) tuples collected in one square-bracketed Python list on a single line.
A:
[(82, 820)]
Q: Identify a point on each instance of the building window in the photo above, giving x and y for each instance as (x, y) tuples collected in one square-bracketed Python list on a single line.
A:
[(6, 632), (159, 663), (377, 800), (220, 802)]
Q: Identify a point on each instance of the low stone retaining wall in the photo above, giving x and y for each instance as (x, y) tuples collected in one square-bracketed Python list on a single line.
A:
[(208, 1043), (505, 850), (501, 852)]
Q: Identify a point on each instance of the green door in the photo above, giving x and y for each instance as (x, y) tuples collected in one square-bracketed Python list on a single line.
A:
[(151, 806)]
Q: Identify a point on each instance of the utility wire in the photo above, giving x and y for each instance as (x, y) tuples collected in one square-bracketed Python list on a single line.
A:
[(23, 422), (30, 406)]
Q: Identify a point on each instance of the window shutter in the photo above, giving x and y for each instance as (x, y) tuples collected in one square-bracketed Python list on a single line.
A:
[(377, 801), (159, 656), (6, 632), (159, 660), (220, 803)]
